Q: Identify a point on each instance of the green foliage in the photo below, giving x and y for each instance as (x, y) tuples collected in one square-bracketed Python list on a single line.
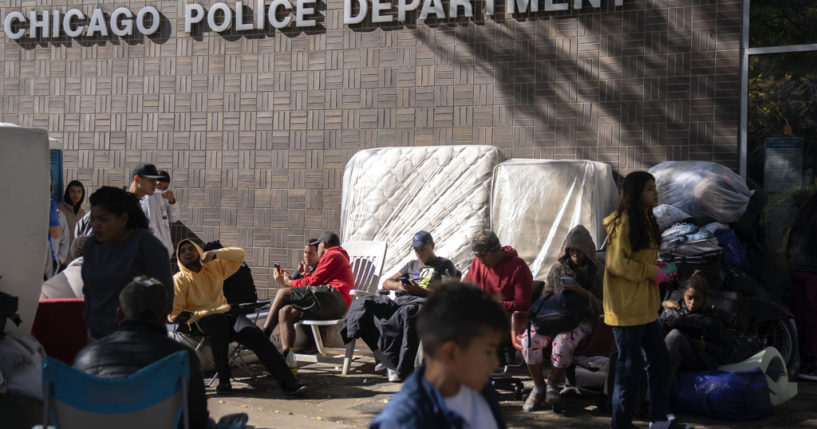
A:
[(778, 97), (787, 22)]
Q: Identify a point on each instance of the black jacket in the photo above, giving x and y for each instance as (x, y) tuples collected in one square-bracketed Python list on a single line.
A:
[(705, 325), (135, 345)]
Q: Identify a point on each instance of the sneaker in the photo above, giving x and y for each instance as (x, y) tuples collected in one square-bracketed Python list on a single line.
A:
[(808, 371), (536, 401), (292, 364), (391, 374), (224, 387), (297, 390), (379, 367), (552, 395)]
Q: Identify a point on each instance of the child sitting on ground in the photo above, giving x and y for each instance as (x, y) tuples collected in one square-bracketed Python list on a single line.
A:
[(461, 328), (697, 339)]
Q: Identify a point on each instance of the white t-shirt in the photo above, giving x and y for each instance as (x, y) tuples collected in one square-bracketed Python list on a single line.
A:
[(470, 404), (158, 222)]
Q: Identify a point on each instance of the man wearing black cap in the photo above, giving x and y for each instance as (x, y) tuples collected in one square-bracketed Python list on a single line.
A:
[(143, 178), (388, 325), (320, 295), (144, 181), (142, 340)]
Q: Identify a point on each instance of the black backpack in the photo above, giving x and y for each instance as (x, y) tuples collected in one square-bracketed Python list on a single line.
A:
[(556, 313)]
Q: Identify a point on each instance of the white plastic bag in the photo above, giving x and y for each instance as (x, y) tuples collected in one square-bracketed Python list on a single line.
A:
[(668, 215), (702, 189), (21, 365)]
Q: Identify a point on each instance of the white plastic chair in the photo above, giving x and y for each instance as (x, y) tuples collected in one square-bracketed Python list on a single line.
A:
[(366, 258)]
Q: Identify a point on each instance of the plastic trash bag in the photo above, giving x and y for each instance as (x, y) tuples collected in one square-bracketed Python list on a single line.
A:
[(740, 395), (702, 189), (668, 215)]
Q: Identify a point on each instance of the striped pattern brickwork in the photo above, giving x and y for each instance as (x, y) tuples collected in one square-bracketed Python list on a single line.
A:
[(256, 128)]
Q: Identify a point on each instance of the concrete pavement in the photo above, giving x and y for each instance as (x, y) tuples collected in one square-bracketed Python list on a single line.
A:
[(352, 402)]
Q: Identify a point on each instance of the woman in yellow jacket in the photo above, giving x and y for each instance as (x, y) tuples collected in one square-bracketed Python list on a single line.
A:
[(631, 300)]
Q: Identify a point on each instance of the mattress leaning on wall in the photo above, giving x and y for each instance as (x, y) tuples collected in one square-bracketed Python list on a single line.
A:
[(535, 203), (391, 193)]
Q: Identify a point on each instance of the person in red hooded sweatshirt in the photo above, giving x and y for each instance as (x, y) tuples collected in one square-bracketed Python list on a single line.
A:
[(500, 272), (320, 295)]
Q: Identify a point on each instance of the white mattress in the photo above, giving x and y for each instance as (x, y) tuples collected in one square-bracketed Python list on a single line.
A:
[(391, 193), (535, 202), (24, 158)]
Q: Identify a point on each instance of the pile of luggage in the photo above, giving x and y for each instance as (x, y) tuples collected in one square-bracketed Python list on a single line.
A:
[(702, 202)]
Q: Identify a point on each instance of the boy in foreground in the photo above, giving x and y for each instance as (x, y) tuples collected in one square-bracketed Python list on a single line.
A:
[(460, 327)]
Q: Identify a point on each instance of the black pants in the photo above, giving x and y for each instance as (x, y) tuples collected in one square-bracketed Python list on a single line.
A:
[(388, 327), (224, 328), (682, 357)]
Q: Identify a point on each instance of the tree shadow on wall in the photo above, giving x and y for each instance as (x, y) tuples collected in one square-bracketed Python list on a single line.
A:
[(540, 68)]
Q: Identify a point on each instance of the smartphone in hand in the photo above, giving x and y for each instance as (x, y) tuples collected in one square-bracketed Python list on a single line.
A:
[(405, 280)]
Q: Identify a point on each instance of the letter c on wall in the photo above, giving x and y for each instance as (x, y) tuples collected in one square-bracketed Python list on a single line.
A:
[(12, 16)]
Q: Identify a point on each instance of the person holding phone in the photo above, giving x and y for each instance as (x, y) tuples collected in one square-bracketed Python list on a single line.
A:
[(577, 269), (310, 261), (320, 295), (417, 275), (393, 338)]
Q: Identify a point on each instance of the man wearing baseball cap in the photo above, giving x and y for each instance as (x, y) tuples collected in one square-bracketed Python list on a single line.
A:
[(144, 180), (423, 271), (396, 317), (143, 177)]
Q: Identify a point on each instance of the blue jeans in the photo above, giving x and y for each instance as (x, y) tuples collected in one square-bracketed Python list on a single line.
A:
[(635, 344)]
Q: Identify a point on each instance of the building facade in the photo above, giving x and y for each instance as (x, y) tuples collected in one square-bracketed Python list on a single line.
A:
[(255, 113)]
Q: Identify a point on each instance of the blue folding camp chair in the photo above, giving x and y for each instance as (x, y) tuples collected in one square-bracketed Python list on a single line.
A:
[(155, 396)]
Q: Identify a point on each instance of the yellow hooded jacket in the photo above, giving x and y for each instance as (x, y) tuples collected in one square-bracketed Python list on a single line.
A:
[(202, 293), (631, 296)]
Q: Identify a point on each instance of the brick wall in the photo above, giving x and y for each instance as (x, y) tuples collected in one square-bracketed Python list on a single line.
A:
[(255, 128)]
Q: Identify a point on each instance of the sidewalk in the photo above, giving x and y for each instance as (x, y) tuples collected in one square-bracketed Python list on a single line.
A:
[(352, 402)]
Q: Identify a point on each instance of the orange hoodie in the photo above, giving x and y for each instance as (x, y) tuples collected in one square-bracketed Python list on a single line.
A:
[(202, 293)]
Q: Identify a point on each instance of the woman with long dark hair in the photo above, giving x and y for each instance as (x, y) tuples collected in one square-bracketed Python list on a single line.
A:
[(121, 249), (71, 207), (632, 299)]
